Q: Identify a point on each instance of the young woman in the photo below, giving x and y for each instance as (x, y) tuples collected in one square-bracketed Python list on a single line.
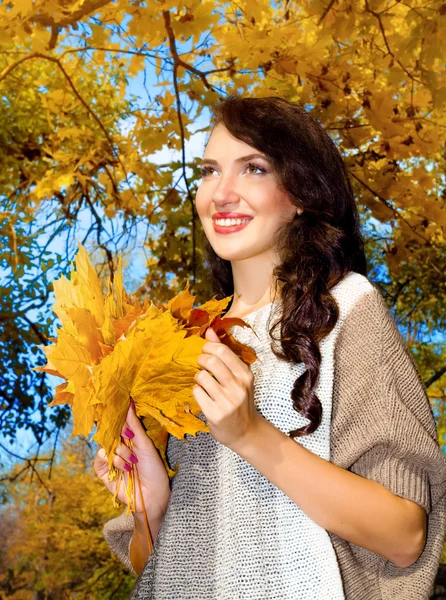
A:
[(322, 476)]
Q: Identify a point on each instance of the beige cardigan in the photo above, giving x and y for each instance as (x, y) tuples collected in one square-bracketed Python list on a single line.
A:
[(382, 428)]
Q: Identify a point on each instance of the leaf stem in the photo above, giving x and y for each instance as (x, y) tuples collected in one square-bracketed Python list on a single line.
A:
[(146, 520), (134, 472)]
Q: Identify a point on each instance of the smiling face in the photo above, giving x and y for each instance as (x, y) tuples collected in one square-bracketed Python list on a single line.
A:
[(236, 181)]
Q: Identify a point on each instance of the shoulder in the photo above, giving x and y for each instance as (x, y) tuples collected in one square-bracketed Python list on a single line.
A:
[(364, 316), (366, 327), (355, 292), (377, 388)]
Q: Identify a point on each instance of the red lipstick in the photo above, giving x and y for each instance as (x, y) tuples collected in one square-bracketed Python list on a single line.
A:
[(230, 215), (233, 228)]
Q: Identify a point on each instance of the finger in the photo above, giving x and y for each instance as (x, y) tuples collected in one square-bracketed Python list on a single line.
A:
[(213, 364), (121, 464), (126, 432), (134, 425), (204, 401), (102, 454), (211, 335), (100, 463), (227, 357), (126, 454), (211, 386), (100, 466)]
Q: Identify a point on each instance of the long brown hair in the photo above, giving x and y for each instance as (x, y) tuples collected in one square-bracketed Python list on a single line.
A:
[(316, 249)]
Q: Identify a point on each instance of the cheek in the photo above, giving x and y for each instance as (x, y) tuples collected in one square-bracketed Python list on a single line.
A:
[(273, 207), (200, 203), (286, 208), (275, 214)]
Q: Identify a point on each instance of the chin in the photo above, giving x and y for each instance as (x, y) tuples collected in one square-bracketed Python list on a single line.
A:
[(235, 256)]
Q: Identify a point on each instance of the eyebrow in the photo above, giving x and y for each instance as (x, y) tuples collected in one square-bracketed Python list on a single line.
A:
[(211, 161)]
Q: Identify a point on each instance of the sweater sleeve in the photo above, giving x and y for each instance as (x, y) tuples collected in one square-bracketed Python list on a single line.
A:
[(383, 428), (118, 533)]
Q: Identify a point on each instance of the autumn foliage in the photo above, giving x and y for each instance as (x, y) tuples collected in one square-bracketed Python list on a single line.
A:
[(372, 73), (91, 90), (52, 543), (111, 349)]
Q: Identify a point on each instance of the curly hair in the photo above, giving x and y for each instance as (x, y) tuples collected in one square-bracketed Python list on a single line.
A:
[(316, 249)]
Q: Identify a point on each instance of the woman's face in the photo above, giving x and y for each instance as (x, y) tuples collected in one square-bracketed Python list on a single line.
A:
[(232, 183)]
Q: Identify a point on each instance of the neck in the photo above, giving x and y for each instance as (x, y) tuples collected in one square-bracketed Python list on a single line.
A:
[(253, 282)]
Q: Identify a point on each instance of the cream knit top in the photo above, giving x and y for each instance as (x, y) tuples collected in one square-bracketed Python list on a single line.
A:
[(230, 534)]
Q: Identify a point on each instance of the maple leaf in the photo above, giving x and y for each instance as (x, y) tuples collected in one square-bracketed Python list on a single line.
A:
[(62, 396), (112, 348), (197, 320), (222, 327), (141, 367), (83, 290)]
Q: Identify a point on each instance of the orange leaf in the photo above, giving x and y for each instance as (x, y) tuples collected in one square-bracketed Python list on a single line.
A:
[(221, 328)]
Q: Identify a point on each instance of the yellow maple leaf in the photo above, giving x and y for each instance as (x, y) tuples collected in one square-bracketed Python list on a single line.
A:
[(62, 396), (83, 290), (154, 364), (111, 348)]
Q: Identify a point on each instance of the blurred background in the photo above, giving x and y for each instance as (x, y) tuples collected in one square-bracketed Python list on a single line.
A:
[(104, 110)]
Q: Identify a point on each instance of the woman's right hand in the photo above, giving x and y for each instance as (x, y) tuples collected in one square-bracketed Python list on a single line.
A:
[(152, 472)]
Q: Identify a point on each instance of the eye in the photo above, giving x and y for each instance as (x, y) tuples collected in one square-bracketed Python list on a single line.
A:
[(207, 170), (254, 166)]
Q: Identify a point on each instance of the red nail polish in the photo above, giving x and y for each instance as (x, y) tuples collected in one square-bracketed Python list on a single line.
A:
[(133, 458), (132, 404), (127, 467), (129, 433)]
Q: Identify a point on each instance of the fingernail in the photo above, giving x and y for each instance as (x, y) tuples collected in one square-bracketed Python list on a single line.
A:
[(133, 458), (127, 467), (132, 404), (128, 433)]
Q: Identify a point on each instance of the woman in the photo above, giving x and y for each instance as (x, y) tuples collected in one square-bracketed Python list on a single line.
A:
[(321, 476)]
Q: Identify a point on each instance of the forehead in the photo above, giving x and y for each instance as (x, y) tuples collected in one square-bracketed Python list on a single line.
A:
[(221, 140)]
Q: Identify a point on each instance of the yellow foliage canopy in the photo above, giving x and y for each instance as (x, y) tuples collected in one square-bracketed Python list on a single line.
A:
[(64, 518)]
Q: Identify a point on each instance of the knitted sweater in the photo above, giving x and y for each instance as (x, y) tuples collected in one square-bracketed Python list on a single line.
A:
[(230, 534)]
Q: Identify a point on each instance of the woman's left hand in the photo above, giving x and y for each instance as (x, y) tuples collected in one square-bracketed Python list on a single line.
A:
[(228, 400)]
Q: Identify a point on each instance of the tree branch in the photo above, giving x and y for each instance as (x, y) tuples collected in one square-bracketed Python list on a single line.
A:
[(30, 465), (435, 377), (100, 244), (326, 11), (390, 207), (36, 330), (383, 33), (177, 60), (114, 151), (71, 18), (56, 61)]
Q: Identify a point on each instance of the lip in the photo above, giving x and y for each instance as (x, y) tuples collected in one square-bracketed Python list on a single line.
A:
[(232, 229), (230, 215)]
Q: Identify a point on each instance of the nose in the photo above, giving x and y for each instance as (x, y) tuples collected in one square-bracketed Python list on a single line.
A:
[(225, 192)]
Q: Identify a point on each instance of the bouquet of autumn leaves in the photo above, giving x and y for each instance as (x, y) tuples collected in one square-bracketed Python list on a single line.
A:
[(111, 348)]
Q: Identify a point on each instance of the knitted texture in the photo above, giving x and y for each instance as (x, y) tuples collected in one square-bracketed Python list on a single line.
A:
[(383, 429), (118, 535), (230, 534)]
